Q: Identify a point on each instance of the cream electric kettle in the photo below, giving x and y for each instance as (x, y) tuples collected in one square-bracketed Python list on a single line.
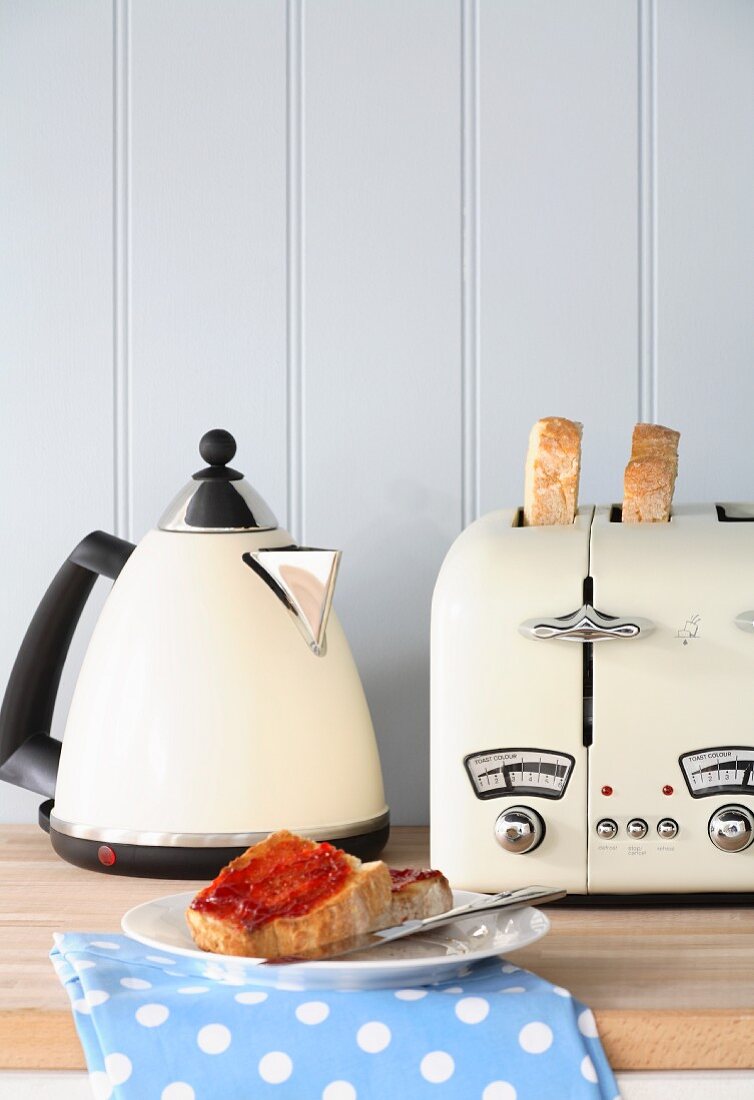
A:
[(217, 701)]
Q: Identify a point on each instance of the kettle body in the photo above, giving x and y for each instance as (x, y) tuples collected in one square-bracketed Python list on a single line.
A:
[(218, 700)]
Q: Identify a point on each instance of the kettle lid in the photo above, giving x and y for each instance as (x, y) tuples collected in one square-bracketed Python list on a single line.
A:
[(218, 498)]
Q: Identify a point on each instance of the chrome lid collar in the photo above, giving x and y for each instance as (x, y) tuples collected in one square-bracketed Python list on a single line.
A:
[(218, 499)]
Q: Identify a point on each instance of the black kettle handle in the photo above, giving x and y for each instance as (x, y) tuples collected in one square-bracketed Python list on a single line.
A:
[(29, 757)]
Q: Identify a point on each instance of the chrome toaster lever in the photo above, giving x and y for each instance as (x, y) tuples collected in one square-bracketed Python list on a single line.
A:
[(744, 620), (586, 625)]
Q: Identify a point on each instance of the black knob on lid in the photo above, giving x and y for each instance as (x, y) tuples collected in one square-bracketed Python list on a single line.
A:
[(217, 447)]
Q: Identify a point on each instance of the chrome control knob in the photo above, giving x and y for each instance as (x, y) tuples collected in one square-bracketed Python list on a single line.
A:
[(519, 829), (636, 828), (606, 829), (667, 829), (731, 828)]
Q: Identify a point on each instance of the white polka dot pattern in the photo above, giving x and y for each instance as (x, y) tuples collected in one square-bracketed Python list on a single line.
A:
[(95, 997), (312, 1012), (152, 1015), (100, 1085), (213, 1038), (275, 1067), (118, 1068), (437, 1067), (177, 1090), (373, 1037), (410, 994), (499, 1090), (588, 1072), (535, 1038), (251, 998), (339, 1090), (135, 983), (588, 1024), (189, 1035), (472, 1010)]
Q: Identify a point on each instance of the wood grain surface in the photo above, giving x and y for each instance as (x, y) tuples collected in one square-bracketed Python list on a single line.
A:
[(671, 988)]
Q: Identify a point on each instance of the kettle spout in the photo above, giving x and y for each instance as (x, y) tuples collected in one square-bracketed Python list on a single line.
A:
[(303, 579)]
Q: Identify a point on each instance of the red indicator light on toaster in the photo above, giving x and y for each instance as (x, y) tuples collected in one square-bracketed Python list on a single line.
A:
[(105, 855), (667, 789), (607, 790)]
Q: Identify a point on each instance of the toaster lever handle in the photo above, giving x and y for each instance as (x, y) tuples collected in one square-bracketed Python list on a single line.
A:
[(586, 625), (744, 620)]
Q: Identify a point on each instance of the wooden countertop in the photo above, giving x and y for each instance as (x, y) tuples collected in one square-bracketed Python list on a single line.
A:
[(671, 988)]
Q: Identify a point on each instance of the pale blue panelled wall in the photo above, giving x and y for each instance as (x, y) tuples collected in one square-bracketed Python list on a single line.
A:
[(376, 241)]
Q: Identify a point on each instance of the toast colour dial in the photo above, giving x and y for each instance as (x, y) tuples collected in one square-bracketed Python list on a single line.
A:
[(536, 773), (728, 770)]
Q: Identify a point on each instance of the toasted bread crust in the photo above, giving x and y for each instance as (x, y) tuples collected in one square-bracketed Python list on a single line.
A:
[(355, 908), (553, 467), (649, 479)]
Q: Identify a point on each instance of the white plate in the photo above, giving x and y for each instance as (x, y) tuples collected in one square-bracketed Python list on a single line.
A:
[(425, 959)]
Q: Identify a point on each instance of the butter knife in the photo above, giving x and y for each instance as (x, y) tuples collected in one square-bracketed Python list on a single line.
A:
[(510, 899)]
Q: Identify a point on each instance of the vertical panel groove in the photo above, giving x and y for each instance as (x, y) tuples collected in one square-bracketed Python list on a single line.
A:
[(647, 153), (122, 487), (294, 250), (470, 261)]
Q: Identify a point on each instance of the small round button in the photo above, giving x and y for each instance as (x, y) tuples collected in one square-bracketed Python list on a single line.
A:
[(606, 829), (106, 855), (667, 828), (519, 830), (636, 828)]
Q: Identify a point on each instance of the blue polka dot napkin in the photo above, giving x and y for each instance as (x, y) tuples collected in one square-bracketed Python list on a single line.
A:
[(161, 1027)]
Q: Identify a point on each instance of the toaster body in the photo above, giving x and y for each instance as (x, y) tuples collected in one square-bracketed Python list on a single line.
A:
[(591, 719)]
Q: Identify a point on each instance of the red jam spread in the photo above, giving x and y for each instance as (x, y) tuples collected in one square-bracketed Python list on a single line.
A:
[(289, 879), (409, 875)]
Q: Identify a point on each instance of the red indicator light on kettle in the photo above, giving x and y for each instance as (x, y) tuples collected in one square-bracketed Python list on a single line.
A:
[(607, 790), (105, 855), (667, 789)]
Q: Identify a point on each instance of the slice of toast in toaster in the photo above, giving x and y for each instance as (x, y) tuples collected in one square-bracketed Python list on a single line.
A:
[(288, 896), (553, 466), (649, 479), (417, 894)]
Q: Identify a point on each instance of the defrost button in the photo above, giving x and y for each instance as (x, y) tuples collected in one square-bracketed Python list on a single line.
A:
[(606, 829)]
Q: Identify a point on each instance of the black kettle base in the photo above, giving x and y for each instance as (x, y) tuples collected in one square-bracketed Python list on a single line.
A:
[(152, 861)]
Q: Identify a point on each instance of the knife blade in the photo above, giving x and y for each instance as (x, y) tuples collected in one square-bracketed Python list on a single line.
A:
[(511, 899)]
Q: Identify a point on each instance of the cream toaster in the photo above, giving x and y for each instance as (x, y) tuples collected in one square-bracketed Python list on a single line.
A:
[(218, 699), (592, 723)]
